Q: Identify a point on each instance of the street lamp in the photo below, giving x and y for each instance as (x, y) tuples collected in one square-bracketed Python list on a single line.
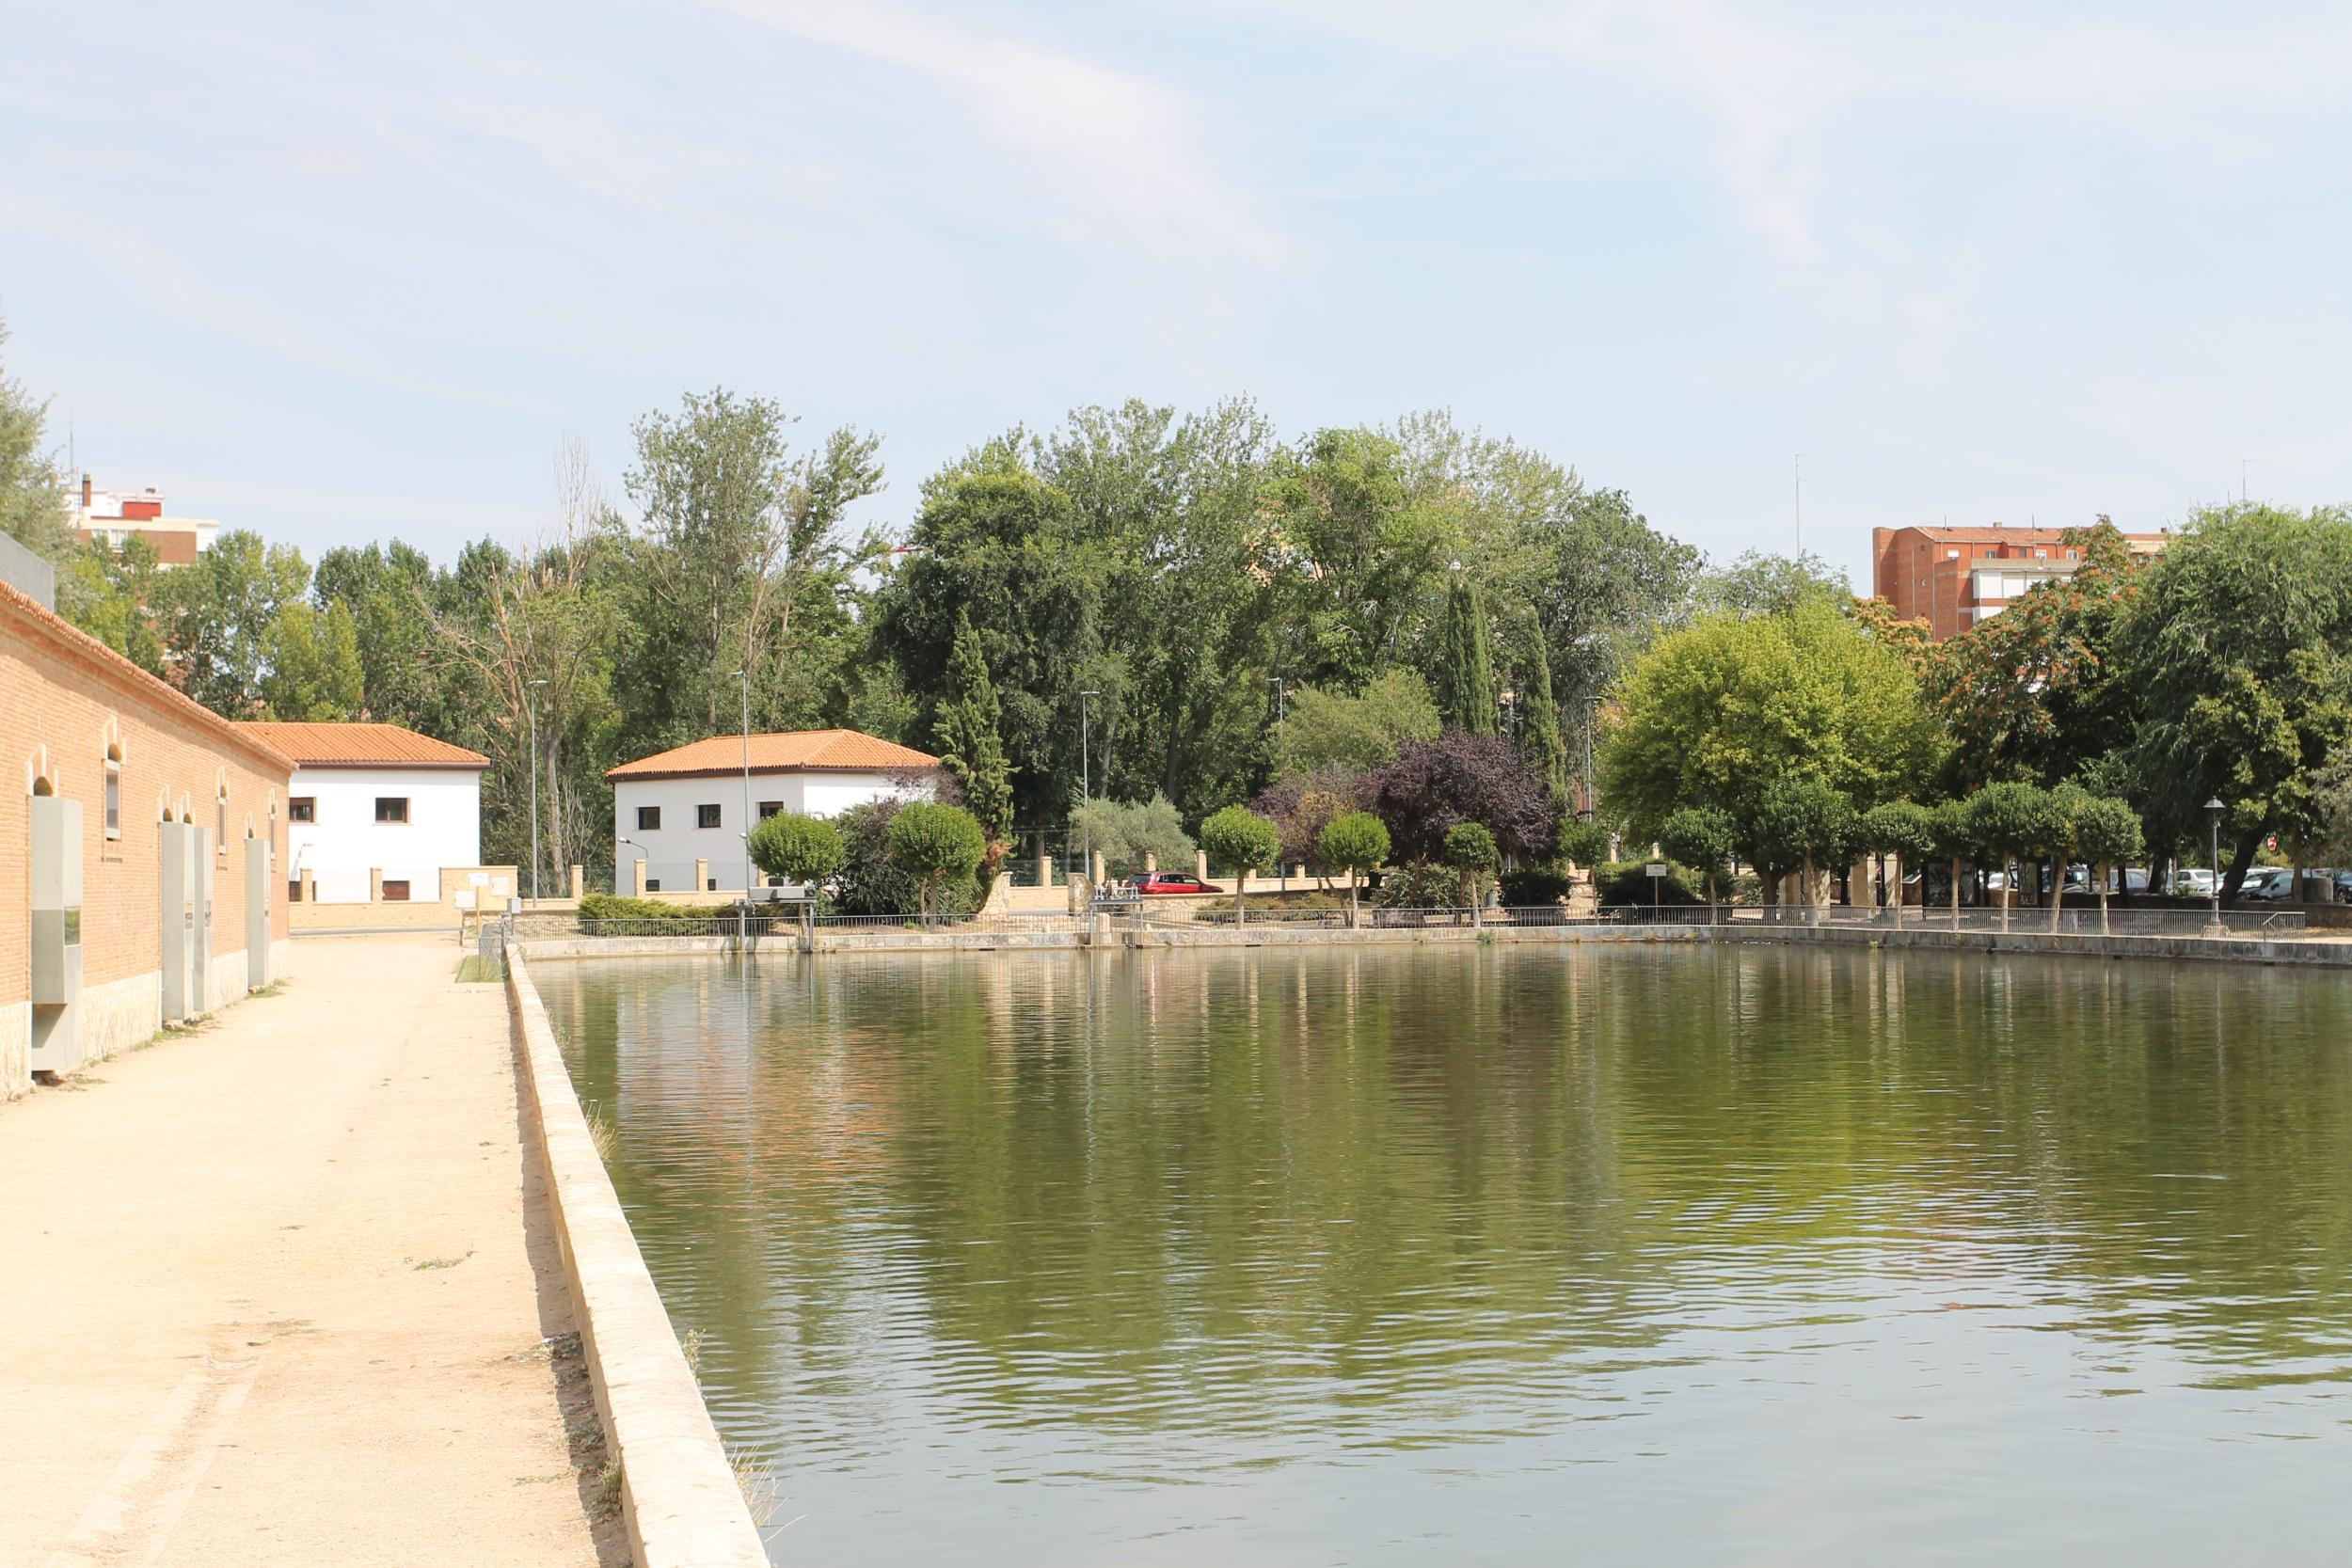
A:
[(533, 707), (2215, 809), (743, 910), (1592, 793), (1086, 779)]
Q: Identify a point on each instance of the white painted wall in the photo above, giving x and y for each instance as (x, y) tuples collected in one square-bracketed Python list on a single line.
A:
[(671, 850), (444, 828)]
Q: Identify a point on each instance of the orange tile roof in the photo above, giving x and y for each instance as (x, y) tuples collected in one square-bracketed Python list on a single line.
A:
[(812, 749), (361, 745), (1945, 534)]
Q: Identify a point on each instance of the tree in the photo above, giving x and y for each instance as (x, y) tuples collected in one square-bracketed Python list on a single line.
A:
[(2014, 821), (1328, 729), (931, 842), (1712, 712), (1955, 841), (801, 849), (970, 746), (1759, 583), (998, 546), (32, 492), (314, 672), (1435, 786), (2239, 649), (1547, 754), (2107, 830), (1301, 808), (2037, 691), (1797, 823), (216, 614), (1701, 838), (1465, 663), (1355, 843), (1240, 838), (1127, 834), (1905, 830), (740, 540), (1472, 851), (1585, 844)]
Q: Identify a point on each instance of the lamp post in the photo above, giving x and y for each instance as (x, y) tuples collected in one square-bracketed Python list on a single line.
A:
[(1591, 793), (1086, 779), (2213, 809), (533, 706), (642, 853), (743, 910), (1280, 692)]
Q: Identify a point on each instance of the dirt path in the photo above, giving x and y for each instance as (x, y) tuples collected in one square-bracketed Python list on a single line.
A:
[(281, 1292)]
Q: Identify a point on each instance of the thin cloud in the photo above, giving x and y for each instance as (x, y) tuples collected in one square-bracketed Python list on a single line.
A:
[(1128, 146)]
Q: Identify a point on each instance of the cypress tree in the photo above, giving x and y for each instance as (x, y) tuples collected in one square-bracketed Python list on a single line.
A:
[(970, 743), (1547, 754), (1466, 669)]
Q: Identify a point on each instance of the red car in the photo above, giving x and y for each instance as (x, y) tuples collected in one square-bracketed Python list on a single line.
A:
[(1172, 882)]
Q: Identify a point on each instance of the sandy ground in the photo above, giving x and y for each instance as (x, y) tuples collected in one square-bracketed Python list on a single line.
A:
[(280, 1290)]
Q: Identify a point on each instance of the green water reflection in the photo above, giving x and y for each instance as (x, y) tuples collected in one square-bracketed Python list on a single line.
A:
[(1501, 1256)]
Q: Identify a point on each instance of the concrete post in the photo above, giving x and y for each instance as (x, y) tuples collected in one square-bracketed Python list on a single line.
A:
[(702, 875), (1200, 863), (375, 884), (1045, 871), (635, 877), (1150, 859), (1098, 869), (579, 883)]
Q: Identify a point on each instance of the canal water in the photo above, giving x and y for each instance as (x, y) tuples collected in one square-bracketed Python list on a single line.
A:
[(1503, 1254)]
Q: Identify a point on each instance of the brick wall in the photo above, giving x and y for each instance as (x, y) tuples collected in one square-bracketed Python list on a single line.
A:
[(64, 701)]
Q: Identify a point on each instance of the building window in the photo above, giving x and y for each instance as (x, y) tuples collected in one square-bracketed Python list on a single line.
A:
[(769, 808), (391, 808), (294, 891), (648, 818), (114, 796), (302, 808), (653, 885), (710, 885), (705, 816), (220, 822), (395, 892)]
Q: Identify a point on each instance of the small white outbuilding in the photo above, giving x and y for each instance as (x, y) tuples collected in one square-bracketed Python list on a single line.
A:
[(691, 805), (377, 801)]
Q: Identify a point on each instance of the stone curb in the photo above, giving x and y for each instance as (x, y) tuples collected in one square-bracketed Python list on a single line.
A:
[(680, 1502)]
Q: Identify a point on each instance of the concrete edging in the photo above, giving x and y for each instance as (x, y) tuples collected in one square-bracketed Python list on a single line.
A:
[(680, 1502)]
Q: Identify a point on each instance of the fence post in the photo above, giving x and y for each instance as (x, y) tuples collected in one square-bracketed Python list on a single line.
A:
[(702, 875), (1200, 863), (579, 883)]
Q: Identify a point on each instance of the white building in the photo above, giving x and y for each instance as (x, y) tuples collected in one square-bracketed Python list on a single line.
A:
[(112, 517), (687, 805), (372, 801)]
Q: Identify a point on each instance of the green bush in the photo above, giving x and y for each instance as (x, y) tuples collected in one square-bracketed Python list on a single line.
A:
[(1625, 882), (1420, 887), (938, 845), (605, 906), (1534, 887), (799, 849)]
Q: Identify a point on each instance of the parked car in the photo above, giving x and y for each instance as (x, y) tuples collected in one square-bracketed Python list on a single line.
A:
[(2192, 882), (2268, 882), (2343, 887), (1172, 881)]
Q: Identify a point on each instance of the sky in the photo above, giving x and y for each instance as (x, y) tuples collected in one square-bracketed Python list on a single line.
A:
[(340, 273)]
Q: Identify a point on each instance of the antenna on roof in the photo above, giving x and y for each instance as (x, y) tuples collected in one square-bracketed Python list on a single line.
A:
[(1795, 465)]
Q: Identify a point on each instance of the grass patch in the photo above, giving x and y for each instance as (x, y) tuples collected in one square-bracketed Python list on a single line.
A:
[(599, 1131), (430, 1263), (693, 1348), (474, 969)]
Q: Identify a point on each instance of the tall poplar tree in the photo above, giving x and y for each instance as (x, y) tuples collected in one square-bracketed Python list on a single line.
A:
[(1466, 669), (970, 744), (1546, 752)]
